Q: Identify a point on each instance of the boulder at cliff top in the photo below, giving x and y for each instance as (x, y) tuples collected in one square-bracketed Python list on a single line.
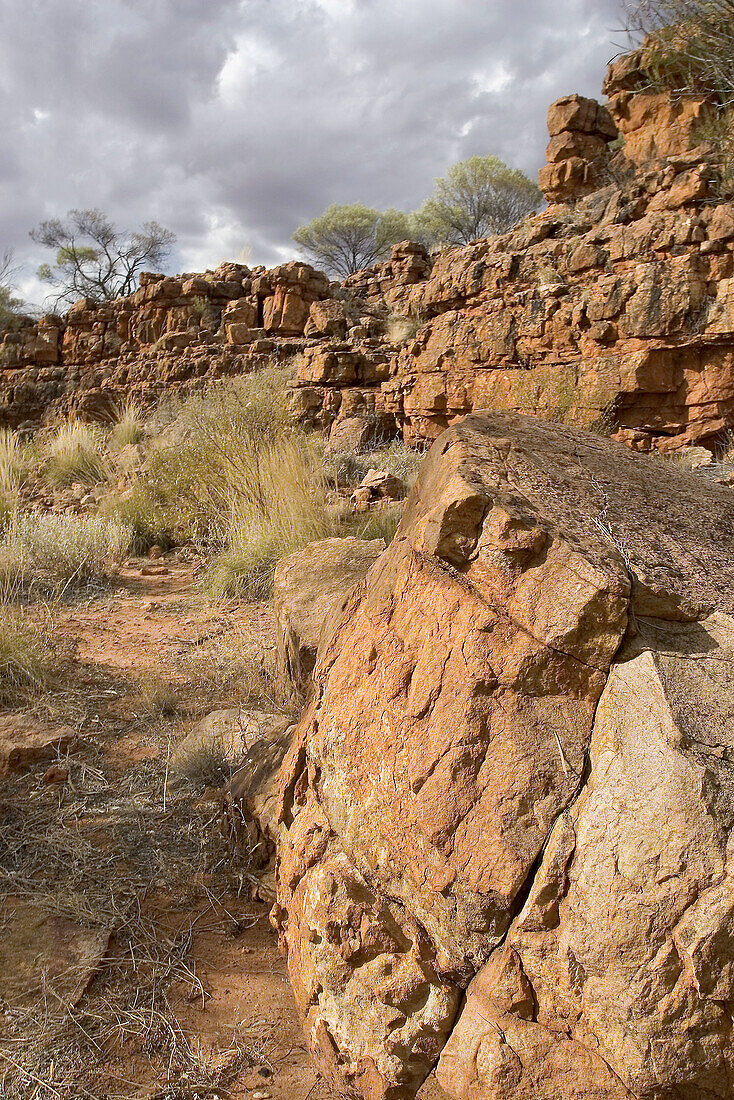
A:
[(469, 791)]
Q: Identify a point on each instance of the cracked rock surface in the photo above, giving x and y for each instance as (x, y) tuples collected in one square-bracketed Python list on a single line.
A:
[(505, 814)]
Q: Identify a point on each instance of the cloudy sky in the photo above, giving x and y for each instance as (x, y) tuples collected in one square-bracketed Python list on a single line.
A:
[(232, 122)]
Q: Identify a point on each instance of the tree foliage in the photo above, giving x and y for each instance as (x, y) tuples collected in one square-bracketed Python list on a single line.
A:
[(96, 260), (690, 44), (478, 197), (347, 238), (9, 304)]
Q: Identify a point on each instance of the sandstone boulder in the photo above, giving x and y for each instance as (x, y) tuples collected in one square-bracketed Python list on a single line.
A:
[(251, 796), (309, 586), (229, 733), (350, 434), (25, 742), (514, 775)]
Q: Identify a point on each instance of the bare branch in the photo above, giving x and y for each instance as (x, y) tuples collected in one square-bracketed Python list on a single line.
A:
[(96, 260)]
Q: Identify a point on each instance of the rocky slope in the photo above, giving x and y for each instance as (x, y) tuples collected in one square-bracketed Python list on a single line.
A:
[(506, 814), (615, 305)]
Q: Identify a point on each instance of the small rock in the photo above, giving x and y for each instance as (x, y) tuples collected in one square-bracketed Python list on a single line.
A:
[(154, 571), (261, 1095), (383, 484), (154, 552), (55, 774), (362, 498)]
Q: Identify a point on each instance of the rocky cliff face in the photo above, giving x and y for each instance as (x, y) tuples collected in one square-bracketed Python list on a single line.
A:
[(614, 305), (170, 334), (514, 778)]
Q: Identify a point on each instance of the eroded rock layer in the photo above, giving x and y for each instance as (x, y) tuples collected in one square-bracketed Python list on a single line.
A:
[(514, 775), (614, 306)]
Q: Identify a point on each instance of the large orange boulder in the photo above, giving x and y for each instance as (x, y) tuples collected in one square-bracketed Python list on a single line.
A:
[(496, 759)]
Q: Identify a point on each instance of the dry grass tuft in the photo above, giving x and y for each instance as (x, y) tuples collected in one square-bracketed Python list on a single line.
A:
[(13, 463), (159, 697), (278, 503), (28, 663), (206, 765), (75, 453), (127, 428)]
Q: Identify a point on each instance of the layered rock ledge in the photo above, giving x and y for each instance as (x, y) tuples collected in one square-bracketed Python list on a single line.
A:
[(614, 306)]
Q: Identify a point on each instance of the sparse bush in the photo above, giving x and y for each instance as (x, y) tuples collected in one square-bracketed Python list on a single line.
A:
[(27, 661), (75, 453), (346, 469), (689, 45), (55, 554)]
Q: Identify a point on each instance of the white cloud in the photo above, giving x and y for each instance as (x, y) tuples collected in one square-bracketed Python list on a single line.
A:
[(233, 121)]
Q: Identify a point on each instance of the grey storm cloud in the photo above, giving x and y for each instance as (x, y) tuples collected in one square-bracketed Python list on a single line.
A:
[(233, 121)]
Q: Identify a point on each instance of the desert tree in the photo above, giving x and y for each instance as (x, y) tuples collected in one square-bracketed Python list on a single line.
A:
[(347, 238), (93, 259), (9, 304), (478, 197)]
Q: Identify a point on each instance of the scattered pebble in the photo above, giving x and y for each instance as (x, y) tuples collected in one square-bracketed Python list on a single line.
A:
[(154, 571), (55, 774)]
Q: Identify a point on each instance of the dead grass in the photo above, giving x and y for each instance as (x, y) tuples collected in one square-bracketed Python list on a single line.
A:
[(399, 328), (56, 554), (13, 463), (206, 765), (159, 697), (54, 857), (75, 452), (28, 663), (128, 427), (346, 469), (278, 504), (235, 669)]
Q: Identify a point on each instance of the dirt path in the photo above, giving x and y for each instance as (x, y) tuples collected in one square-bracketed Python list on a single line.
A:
[(134, 962)]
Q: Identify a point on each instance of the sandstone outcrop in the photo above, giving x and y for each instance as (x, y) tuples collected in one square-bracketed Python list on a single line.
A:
[(614, 306), (169, 335), (514, 778)]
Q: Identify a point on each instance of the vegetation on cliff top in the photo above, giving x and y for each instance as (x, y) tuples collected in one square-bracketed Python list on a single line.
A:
[(478, 197), (96, 260)]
